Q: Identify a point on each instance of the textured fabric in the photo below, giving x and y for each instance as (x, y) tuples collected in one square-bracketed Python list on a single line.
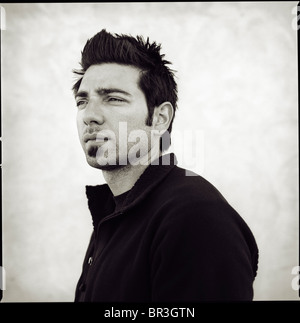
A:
[(175, 239), (119, 200)]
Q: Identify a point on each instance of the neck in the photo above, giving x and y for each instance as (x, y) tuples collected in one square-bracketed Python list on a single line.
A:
[(121, 180)]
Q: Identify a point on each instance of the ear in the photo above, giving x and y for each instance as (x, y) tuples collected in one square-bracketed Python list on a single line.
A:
[(162, 116)]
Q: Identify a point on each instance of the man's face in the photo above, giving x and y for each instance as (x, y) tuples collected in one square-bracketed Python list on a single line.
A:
[(109, 94)]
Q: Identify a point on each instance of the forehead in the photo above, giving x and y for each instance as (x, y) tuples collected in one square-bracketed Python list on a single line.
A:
[(111, 75)]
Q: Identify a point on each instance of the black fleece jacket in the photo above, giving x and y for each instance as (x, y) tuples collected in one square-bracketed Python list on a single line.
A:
[(175, 239)]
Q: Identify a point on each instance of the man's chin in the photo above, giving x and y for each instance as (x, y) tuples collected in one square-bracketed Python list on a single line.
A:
[(103, 165)]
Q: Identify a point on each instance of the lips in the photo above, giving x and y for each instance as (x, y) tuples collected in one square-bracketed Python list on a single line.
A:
[(94, 136)]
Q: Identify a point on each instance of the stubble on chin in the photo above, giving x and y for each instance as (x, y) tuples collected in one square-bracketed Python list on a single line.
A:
[(94, 161)]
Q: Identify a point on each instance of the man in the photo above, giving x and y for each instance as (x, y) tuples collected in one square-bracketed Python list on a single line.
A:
[(158, 235)]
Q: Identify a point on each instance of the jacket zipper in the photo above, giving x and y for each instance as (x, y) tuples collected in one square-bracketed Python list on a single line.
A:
[(109, 217), (91, 258)]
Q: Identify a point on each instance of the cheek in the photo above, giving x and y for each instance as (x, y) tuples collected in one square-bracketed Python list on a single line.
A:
[(80, 124), (137, 119)]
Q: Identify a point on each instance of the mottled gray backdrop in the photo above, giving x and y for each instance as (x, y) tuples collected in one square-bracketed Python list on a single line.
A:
[(237, 78)]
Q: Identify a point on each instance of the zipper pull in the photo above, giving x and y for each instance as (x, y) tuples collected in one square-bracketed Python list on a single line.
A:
[(90, 261)]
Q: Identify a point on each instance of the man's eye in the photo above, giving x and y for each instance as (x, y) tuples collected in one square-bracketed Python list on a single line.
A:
[(113, 99), (80, 104)]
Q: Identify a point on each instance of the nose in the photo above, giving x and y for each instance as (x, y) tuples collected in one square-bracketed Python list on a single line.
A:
[(93, 114)]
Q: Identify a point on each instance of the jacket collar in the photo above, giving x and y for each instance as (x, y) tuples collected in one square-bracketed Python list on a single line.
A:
[(100, 198)]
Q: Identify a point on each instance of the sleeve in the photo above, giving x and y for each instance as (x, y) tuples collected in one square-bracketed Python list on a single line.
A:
[(203, 253)]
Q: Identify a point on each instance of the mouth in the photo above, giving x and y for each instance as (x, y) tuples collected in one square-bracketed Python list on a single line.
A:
[(94, 137)]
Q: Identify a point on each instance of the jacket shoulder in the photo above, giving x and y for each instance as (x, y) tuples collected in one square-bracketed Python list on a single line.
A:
[(195, 213), (182, 183)]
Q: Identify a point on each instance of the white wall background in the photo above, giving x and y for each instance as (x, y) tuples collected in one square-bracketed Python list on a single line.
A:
[(237, 78)]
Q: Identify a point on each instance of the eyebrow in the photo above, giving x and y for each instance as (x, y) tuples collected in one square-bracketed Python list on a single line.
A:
[(102, 91)]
